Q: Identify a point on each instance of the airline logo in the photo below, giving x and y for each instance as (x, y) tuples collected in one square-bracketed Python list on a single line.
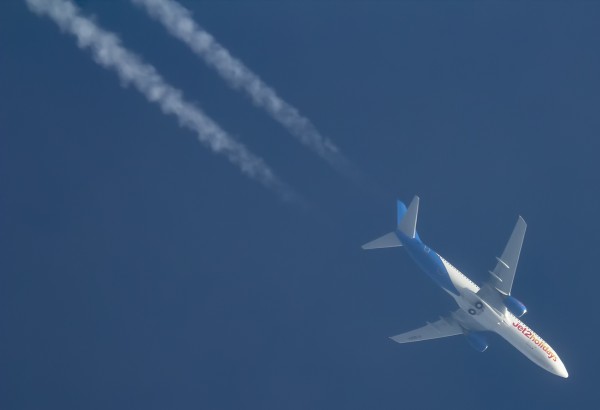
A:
[(530, 334)]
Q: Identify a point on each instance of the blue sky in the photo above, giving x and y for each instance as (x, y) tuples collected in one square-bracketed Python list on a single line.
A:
[(140, 270)]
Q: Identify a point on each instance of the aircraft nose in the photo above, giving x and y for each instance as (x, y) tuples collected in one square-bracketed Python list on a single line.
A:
[(563, 372), (560, 369)]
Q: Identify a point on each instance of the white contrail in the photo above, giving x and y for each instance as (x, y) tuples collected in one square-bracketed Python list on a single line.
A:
[(179, 22), (108, 52)]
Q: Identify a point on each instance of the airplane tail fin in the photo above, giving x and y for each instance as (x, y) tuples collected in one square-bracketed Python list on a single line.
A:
[(406, 223)]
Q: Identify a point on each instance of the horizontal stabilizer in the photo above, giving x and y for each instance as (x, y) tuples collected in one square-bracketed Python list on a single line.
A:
[(444, 327), (389, 240)]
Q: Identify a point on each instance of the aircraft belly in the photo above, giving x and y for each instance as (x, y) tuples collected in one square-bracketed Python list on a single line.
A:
[(481, 309), (513, 331), (531, 345), (520, 344), (432, 264), (476, 314), (458, 279)]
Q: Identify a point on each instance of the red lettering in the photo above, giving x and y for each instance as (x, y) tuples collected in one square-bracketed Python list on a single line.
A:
[(528, 333)]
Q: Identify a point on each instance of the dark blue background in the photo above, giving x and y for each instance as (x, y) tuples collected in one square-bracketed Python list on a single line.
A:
[(139, 270)]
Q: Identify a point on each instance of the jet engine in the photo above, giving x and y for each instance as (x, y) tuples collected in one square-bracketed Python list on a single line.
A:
[(477, 340), (514, 306)]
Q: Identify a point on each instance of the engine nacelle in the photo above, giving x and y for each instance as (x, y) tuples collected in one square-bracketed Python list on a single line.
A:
[(477, 341), (514, 306)]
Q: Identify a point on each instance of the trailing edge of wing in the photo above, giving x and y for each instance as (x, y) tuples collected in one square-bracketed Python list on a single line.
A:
[(444, 327), (503, 274)]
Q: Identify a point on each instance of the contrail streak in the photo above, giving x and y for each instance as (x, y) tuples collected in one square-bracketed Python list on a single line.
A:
[(179, 23), (108, 52)]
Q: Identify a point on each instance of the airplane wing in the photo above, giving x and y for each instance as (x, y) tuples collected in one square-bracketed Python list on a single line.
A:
[(504, 272), (444, 327)]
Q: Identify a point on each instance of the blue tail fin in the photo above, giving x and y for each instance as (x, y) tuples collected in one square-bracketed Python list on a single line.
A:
[(408, 224), (389, 240), (401, 210)]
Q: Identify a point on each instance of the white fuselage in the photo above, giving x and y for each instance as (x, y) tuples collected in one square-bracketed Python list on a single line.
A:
[(484, 308)]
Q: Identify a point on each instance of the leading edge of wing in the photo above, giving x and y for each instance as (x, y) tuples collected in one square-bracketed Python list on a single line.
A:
[(443, 327)]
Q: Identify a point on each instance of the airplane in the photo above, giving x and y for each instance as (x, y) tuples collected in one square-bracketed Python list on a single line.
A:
[(490, 307)]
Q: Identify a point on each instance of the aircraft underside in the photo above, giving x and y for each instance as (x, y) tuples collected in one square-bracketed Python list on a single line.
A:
[(489, 308)]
